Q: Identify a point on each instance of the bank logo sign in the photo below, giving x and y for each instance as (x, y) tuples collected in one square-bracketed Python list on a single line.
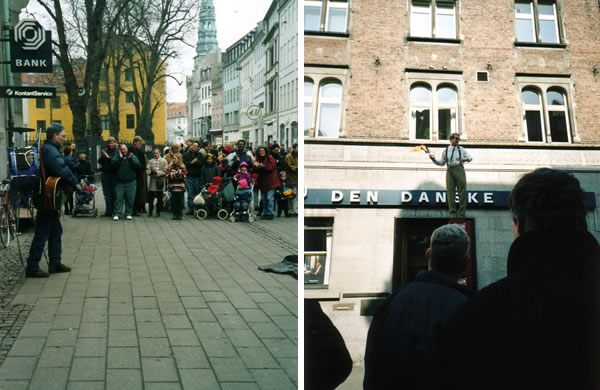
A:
[(30, 48), (335, 198)]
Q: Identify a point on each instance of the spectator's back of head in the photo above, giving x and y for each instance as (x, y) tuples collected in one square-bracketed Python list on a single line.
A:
[(449, 249), (548, 200)]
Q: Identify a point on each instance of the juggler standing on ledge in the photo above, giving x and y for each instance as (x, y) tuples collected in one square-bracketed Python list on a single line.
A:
[(456, 181)]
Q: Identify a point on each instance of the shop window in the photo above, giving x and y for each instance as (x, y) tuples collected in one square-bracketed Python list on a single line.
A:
[(545, 113), (433, 19), (318, 235), (536, 21), (334, 19), (433, 116)]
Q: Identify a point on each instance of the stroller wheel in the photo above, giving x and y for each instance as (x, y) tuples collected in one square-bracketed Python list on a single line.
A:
[(251, 218), (201, 214), (222, 214), (232, 218)]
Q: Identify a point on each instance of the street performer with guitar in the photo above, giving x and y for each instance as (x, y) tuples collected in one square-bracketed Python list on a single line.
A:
[(55, 175)]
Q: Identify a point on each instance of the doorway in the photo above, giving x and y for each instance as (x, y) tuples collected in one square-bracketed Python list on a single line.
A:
[(411, 240)]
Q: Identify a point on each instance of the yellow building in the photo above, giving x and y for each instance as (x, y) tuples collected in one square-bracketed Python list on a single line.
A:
[(39, 113)]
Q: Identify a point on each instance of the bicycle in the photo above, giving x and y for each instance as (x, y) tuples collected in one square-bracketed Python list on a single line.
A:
[(8, 217)]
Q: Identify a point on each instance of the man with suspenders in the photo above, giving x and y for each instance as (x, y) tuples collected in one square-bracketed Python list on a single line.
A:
[(456, 181)]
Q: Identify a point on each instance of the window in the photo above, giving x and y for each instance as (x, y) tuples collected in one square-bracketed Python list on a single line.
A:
[(318, 235), (130, 121), (536, 21), (545, 114), (103, 97), (105, 122), (41, 125), (433, 19), (329, 109), (40, 103), (56, 102), (434, 106), (128, 97), (129, 74), (334, 20)]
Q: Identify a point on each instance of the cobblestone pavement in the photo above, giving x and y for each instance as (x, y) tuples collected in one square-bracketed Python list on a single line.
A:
[(156, 304)]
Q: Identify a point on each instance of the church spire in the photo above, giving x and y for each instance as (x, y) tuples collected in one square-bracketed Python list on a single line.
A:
[(207, 30)]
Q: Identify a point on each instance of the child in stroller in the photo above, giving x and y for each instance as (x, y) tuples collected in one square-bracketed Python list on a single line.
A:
[(85, 199), (214, 199), (243, 195)]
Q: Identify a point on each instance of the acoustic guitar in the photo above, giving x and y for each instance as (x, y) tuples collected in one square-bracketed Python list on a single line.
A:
[(56, 194)]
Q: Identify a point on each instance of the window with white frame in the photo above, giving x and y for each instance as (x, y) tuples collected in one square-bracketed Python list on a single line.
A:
[(545, 114), (334, 19), (433, 19), (329, 109), (536, 21), (308, 98), (433, 109), (318, 237)]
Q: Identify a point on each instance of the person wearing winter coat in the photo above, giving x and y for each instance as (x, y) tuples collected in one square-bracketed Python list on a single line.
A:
[(108, 178), (267, 180), (176, 174), (291, 169), (74, 167), (156, 169), (125, 165), (141, 191), (209, 170)]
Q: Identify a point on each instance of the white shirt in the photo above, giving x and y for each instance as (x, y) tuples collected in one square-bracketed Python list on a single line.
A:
[(452, 156)]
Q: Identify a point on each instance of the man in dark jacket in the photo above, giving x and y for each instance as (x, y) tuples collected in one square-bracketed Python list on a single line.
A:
[(193, 161), (141, 179), (537, 328), (48, 227), (108, 178), (125, 166), (401, 345)]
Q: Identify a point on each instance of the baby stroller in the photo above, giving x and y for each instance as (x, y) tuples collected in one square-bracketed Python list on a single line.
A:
[(85, 200), (243, 206), (215, 199)]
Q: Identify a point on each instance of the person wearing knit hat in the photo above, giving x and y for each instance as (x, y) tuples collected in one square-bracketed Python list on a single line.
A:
[(243, 195)]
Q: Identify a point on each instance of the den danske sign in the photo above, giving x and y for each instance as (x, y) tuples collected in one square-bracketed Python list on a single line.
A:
[(400, 199), (20, 92)]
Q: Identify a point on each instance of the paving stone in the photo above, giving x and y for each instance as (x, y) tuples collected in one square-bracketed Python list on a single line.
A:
[(93, 329), (155, 347), (27, 347), (274, 309), (17, 367), (121, 322), (286, 322), (14, 385), (266, 330), (218, 347), (56, 357), (151, 329), (176, 322), (159, 370), (243, 338), (35, 329), (147, 315), (273, 379), (198, 379), (69, 321), (201, 315), (194, 302), (61, 338), (126, 357), (90, 347), (145, 303), (122, 338), (208, 330), (190, 357), (96, 385), (162, 386), (214, 296), (239, 386), (281, 347), (183, 337), (254, 315), (230, 369), (231, 321), (120, 308), (88, 369), (290, 365), (222, 308), (45, 378), (257, 357), (120, 379)]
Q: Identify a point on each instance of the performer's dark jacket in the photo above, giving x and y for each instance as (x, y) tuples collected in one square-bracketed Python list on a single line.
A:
[(401, 344), (105, 161), (54, 165), (537, 328)]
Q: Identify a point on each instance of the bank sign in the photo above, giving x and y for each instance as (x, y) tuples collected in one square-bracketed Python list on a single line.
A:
[(328, 198), (30, 48)]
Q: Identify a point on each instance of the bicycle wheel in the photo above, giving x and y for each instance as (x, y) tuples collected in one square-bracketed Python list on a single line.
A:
[(4, 227)]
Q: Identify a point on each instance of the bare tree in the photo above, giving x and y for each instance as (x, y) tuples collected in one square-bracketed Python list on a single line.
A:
[(84, 28)]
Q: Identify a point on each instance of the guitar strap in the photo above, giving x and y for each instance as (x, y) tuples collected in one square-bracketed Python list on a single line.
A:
[(46, 196)]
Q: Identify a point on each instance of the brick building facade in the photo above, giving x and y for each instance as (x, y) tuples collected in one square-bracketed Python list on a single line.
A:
[(517, 79)]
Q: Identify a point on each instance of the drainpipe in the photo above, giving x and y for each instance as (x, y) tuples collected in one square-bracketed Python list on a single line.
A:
[(8, 74)]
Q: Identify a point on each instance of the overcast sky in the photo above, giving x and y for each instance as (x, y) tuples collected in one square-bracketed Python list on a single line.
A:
[(235, 18)]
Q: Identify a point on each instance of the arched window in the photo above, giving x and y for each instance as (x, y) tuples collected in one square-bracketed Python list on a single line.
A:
[(533, 115), (329, 109), (308, 97), (420, 111), (558, 115), (447, 100)]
